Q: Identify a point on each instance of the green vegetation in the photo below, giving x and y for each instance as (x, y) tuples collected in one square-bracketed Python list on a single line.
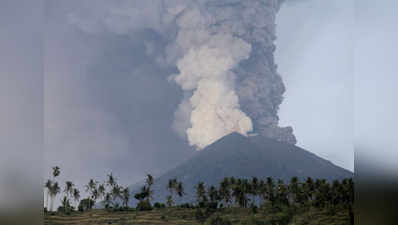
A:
[(233, 201)]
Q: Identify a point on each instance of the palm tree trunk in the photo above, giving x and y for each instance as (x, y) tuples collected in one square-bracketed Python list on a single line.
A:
[(52, 202), (47, 193)]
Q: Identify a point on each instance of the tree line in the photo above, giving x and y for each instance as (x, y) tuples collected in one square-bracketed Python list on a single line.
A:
[(231, 192)]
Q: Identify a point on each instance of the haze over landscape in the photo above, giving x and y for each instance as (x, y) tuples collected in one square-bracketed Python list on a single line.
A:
[(107, 101), (129, 87)]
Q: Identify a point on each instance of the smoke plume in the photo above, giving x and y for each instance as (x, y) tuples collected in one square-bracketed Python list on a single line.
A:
[(223, 51)]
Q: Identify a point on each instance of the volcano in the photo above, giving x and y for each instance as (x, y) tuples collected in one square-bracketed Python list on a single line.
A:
[(245, 157)]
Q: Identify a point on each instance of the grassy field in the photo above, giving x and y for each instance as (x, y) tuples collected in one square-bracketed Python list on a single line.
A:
[(178, 216)]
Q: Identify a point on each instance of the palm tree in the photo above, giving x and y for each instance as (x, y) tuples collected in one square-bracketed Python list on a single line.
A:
[(294, 190), (126, 197), (116, 193), (65, 204), (239, 194), (180, 189), (56, 171), (107, 200), (91, 187), (225, 192), (309, 189), (111, 180), (201, 193), (282, 193), (270, 192), (149, 180), (149, 183), (69, 192), (69, 188), (101, 191), (76, 195), (254, 188), (95, 195), (48, 185), (54, 190), (213, 194), (171, 187), (169, 201)]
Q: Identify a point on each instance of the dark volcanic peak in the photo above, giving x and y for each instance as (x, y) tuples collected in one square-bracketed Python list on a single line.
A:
[(245, 157)]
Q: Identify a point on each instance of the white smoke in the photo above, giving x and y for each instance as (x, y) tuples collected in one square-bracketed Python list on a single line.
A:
[(206, 71)]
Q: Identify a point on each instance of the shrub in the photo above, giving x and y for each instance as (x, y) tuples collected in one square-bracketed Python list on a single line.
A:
[(186, 206), (200, 215), (220, 221), (85, 204), (281, 218), (158, 205), (212, 205), (254, 208), (144, 205)]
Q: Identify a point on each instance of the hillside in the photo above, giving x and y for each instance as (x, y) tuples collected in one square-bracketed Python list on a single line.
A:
[(245, 157)]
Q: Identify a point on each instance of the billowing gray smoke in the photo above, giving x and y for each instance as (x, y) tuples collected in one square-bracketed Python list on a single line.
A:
[(223, 50)]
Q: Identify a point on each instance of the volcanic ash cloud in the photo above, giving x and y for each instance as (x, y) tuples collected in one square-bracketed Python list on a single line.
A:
[(205, 70), (224, 53)]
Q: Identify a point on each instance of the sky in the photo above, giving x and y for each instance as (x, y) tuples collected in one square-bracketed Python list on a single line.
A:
[(21, 103), (315, 58), (87, 90), (375, 84)]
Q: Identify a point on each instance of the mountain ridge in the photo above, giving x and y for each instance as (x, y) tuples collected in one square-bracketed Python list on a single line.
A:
[(245, 157)]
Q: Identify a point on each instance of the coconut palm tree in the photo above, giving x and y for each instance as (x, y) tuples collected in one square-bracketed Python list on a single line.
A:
[(238, 194), (180, 189), (149, 182), (111, 180), (169, 201), (116, 194), (65, 203), (95, 195), (48, 185), (254, 188), (309, 189), (91, 187), (171, 188), (56, 171), (225, 191), (213, 194), (294, 190), (107, 200), (126, 197), (76, 195), (201, 193), (282, 193), (54, 190), (69, 188), (270, 191), (101, 191)]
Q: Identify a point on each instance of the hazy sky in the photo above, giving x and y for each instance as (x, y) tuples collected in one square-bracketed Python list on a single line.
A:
[(315, 58), (376, 79), (21, 102)]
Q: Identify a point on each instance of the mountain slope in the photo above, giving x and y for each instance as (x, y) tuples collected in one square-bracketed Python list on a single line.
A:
[(245, 157)]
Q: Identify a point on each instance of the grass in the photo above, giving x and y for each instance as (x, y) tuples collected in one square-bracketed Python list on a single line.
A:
[(179, 216)]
